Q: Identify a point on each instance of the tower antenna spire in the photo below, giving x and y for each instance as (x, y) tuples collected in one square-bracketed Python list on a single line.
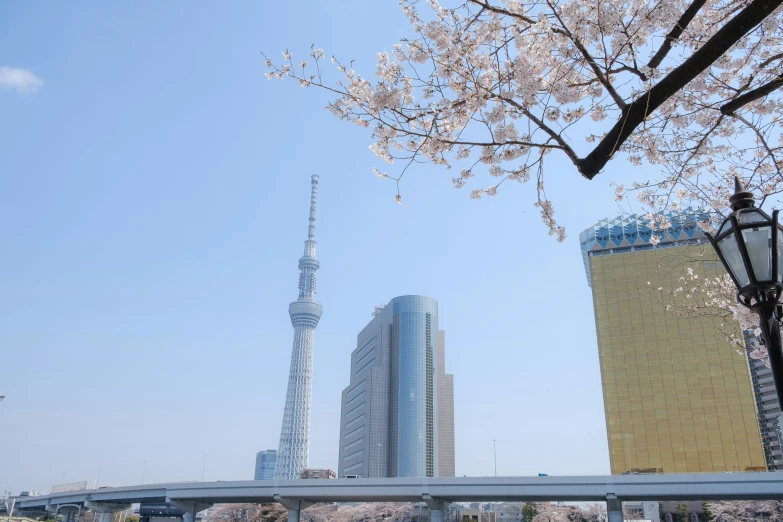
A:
[(294, 449), (313, 196)]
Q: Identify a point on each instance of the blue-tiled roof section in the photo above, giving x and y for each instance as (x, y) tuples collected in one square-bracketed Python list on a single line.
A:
[(632, 233)]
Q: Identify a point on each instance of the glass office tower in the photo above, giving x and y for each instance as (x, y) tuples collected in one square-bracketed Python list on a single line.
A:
[(677, 396), (397, 415), (414, 331), (265, 465)]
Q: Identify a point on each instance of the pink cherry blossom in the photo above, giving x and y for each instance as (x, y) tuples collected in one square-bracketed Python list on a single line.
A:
[(689, 86)]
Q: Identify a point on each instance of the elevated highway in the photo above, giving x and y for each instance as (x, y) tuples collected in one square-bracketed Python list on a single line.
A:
[(436, 492)]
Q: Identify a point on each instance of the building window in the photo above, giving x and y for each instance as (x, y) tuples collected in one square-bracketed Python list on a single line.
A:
[(359, 407), (354, 444), (355, 388), (353, 455), (366, 356), (355, 400), (355, 421)]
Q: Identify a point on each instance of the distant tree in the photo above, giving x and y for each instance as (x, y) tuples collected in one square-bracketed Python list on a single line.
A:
[(551, 516), (248, 513), (566, 514), (707, 515), (595, 513), (272, 512), (746, 510), (130, 518), (682, 513), (365, 512), (529, 512)]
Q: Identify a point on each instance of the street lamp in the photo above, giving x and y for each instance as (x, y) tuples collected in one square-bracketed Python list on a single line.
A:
[(750, 245), (380, 446), (495, 449)]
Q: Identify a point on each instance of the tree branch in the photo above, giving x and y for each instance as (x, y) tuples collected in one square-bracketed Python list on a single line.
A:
[(618, 100), (751, 96), (635, 113), (675, 33), (500, 10)]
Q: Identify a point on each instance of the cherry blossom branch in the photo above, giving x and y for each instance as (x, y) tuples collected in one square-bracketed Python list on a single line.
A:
[(618, 100), (740, 101), (509, 83), (648, 102), (675, 33)]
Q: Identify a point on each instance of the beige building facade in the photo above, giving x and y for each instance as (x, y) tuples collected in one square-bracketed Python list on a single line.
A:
[(446, 460), (678, 397)]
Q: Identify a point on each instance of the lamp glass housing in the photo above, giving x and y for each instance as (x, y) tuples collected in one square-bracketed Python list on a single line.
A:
[(780, 253), (758, 241), (730, 251), (750, 244)]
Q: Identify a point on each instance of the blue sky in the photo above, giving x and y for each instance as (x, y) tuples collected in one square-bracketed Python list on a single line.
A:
[(153, 206)]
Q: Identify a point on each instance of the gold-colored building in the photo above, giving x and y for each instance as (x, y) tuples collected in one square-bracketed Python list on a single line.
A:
[(678, 397)]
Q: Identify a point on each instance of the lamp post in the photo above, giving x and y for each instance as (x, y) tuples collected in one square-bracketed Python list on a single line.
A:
[(380, 447), (495, 450), (203, 467), (750, 245), (627, 455)]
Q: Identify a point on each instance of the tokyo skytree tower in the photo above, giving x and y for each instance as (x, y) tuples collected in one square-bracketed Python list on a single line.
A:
[(294, 448)]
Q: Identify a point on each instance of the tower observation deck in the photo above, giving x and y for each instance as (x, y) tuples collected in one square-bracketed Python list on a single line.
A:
[(294, 448)]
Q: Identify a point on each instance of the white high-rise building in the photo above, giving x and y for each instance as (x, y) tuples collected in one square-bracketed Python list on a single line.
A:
[(294, 448)]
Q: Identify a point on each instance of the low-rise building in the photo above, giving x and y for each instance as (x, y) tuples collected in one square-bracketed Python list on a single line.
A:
[(475, 515), (317, 474)]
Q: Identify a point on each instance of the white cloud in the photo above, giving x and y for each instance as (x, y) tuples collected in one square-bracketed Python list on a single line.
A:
[(20, 79)]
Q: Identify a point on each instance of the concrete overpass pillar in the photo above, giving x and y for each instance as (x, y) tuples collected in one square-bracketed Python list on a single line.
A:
[(189, 508), (614, 509), (437, 507), (68, 513), (106, 510), (294, 507)]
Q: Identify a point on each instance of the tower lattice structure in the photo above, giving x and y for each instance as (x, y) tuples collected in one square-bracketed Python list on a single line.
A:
[(294, 448)]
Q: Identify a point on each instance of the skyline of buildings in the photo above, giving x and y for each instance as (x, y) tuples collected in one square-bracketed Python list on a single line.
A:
[(677, 396), (406, 398), (397, 412), (673, 395), (294, 449)]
